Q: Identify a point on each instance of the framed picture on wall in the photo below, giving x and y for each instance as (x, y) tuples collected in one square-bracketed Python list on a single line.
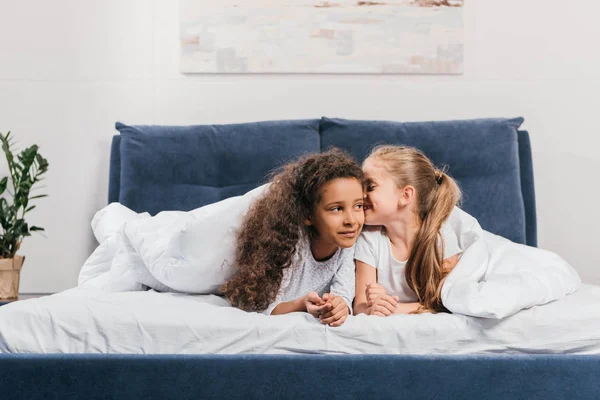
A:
[(337, 36)]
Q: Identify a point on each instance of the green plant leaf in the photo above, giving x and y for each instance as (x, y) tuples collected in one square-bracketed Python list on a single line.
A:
[(7, 214), (21, 227), (3, 184), (42, 164)]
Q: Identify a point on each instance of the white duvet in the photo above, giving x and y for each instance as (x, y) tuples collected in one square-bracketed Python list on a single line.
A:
[(174, 251), (495, 277), (193, 252), (93, 321)]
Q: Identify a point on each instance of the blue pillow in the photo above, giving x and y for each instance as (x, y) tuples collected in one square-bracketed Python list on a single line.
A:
[(481, 154), (186, 167)]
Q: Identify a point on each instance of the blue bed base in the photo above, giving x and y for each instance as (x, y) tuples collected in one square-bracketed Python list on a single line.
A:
[(292, 377)]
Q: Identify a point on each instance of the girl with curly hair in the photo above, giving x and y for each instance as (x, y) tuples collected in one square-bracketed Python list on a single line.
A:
[(295, 245), (403, 260)]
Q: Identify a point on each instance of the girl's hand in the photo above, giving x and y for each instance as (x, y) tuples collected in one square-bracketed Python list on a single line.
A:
[(374, 290), (383, 306), (449, 263), (339, 310), (315, 305)]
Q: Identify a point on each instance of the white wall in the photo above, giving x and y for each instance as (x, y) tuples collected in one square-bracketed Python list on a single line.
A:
[(70, 69)]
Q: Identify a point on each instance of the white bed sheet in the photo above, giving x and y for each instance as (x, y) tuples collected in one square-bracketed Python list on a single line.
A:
[(89, 321)]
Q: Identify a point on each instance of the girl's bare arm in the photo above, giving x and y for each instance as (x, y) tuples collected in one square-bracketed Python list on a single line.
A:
[(365, 274)]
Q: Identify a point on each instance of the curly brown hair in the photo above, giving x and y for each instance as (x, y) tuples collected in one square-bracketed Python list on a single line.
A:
[(274, 224)]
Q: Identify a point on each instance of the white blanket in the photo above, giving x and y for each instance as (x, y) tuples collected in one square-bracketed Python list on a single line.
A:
[(495, 277), (193, 252), (174, 251), (92, 321)]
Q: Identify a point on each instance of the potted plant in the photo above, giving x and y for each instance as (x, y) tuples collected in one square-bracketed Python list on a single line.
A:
[(25, 171)]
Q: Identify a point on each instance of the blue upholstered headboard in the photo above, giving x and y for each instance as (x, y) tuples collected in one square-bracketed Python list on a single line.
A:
[(156, 168)]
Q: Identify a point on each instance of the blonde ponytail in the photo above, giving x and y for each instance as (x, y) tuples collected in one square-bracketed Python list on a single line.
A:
[(424, 269)]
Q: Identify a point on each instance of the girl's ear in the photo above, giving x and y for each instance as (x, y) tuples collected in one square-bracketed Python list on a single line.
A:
[(308, 222), (407, 195)]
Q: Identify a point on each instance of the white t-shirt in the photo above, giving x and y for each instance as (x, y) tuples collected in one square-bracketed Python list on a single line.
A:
[(306, 274), (374, 248)]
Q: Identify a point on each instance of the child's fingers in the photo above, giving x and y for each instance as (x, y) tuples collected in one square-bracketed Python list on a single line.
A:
[(336, 310), (333, 318), (378, 307), (317, 311), (390, 299), (377, 292), (373, 297), (324, 308), (382, 309), (334, 301), (372, 302), (387, 304), (313, 297), (339, 322), (385, 300), (327, 314)]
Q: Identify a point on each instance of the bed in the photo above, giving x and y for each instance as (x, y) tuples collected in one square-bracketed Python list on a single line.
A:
[(83, 343)]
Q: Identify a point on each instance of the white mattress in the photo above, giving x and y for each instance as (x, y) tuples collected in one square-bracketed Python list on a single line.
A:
[(86, 321)]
